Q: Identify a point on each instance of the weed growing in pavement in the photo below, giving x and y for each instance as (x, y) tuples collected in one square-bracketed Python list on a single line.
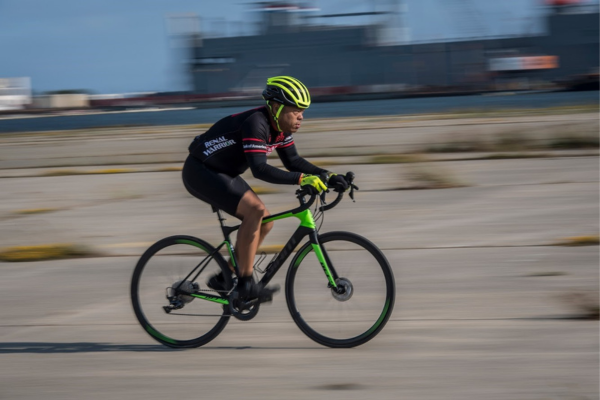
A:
[(43, 252), (36, 211), (584, 303), (428, 177), (589, 240)]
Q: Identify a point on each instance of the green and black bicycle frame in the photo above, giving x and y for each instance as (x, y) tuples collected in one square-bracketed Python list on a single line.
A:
[(306, 228)]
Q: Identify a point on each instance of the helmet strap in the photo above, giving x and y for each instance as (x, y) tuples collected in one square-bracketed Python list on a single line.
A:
[(276, 115)]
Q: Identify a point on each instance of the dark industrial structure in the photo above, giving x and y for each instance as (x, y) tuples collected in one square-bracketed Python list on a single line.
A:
[(354, 59)]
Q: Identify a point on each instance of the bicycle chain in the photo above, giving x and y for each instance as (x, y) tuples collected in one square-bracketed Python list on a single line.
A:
[(217, 291)]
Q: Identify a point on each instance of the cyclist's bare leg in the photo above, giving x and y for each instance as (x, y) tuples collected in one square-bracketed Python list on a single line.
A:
[(264, 230), (252, 232)]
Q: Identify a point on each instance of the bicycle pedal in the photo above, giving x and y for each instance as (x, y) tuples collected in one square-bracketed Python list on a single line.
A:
[(266, 299)]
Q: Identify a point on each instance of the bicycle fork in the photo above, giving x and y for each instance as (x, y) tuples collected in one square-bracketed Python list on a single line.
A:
[(325, 261), (319, 251)]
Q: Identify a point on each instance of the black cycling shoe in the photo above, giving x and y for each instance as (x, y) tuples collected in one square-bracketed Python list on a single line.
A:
[(250, 290), (217, 282)]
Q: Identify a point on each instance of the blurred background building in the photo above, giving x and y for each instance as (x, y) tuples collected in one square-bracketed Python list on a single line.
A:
[(379, 57), (15, 93), (354, 55)]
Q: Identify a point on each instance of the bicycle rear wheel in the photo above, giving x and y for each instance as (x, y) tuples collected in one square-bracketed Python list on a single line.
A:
[(345, 319), (159, 275)]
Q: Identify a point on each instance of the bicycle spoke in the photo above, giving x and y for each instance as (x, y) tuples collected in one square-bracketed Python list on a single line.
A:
[(160, 302), (334, 319)]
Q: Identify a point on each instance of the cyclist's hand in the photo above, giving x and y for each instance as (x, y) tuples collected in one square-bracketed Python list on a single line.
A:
[(338, 182), (313, 181)]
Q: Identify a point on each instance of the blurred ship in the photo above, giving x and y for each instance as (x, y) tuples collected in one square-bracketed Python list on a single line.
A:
[(334, 60), (376, 60)]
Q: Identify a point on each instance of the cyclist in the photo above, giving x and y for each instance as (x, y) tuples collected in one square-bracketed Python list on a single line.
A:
[(241, 141)]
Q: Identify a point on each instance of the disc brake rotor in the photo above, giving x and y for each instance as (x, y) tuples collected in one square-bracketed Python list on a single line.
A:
[(347, 289)]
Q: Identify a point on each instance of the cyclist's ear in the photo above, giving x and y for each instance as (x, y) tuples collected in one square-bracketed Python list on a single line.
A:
[(275, 106)]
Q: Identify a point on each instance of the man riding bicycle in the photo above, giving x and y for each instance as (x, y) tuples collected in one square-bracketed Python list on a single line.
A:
[(235, 143)]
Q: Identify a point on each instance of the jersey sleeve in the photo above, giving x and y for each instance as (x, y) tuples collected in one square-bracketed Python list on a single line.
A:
[(255, 134), (293, 162)]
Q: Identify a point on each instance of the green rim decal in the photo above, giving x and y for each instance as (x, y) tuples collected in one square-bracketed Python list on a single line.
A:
[(185, 241), (321, 258), (214, 299), (381, 317), (301, 257), (159, 335)]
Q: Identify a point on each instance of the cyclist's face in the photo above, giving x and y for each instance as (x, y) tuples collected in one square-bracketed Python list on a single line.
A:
[(291, 118)]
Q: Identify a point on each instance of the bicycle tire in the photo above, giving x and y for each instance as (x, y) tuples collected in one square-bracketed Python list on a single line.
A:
[(360, 263), (171, 259)]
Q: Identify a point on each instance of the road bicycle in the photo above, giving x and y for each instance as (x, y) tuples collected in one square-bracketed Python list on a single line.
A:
[(339, 286)]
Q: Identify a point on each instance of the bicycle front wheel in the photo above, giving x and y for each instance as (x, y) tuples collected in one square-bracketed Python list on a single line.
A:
[(170, 316), (357, 313)]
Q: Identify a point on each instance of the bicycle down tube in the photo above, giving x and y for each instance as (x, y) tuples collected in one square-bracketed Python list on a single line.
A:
[(307, 228)]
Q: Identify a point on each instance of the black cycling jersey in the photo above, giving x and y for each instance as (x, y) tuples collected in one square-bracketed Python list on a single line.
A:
[(245, 140)]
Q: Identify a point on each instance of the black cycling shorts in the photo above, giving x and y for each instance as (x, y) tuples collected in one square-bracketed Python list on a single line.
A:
[(215, 188)]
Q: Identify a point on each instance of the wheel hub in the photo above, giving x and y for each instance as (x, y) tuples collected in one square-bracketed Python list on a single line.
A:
[(345, 289), (184, 286)]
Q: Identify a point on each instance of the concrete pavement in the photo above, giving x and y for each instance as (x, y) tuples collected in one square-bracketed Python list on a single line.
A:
[(487, 307)]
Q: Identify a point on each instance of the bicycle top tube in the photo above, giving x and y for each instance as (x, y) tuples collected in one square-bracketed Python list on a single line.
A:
[(303, 213)]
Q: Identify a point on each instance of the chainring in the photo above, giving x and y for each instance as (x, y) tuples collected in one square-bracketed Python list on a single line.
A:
[(244, 311)]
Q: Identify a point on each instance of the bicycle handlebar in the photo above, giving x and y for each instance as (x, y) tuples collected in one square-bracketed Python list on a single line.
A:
[(307, 190)]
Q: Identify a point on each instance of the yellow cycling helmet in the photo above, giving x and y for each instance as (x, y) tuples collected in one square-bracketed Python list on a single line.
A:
[(287, 91)]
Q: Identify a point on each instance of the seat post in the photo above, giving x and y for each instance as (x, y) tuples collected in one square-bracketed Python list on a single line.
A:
[(226, 229), (219, 215)]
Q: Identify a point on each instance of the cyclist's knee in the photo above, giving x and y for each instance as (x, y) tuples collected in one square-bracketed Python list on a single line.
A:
[(256, 211), (251, 207)]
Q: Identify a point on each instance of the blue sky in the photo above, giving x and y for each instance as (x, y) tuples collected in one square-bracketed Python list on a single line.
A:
[(112, 46)]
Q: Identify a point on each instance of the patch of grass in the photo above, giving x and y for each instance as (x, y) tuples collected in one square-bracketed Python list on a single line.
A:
[(67, 172), (585, 303), (36, 211), (198, 126), (43, 252), (570, 142), (125, 195), (589, 240), (395, 159), (264, 190), (556, 137), (514, 141), (509, 112), (542, 274), (327, 163), (61, 172), (510, 156), (458, 147), (433, 178), (110, 171), (169, 169)]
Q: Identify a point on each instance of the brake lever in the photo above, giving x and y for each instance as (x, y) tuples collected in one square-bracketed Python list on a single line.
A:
[(351, 194), (322, 195)]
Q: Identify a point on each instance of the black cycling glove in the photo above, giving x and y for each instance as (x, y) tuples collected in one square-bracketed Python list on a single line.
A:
[(337, 182)]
